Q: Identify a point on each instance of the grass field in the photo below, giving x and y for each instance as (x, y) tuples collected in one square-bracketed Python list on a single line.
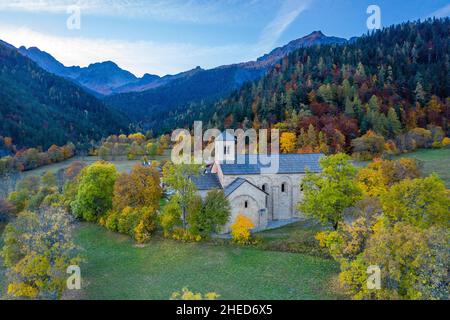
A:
[(121, 165), (116, 269), (433, 160)]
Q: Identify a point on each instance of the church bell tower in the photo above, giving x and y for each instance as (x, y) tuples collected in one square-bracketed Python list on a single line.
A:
[(225, 147)]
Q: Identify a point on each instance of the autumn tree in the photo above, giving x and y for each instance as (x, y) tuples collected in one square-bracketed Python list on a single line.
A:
[(288, 141), (368, 146), (38, 248), (139, 188), (421, 202), (187, 294), (380, 175), (405, 234), (412, 260), (170, 216)]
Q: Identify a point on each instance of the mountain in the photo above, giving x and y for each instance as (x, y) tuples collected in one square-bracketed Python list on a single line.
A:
[(150, 81), (38, 108), (149, 106), (394, 82), (101, 78), (315, 38)]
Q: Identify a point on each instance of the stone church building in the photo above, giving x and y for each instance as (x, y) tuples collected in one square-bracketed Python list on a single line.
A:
[(263, 197)]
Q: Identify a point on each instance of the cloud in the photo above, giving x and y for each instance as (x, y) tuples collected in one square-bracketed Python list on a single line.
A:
[(286, 15), (193, 11), (159, 58), (138, 57), (441, 13)]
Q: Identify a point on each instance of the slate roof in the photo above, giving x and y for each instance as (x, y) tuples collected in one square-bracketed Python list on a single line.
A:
[(207, 181), (233, 186), (288, 164), (236, 184)]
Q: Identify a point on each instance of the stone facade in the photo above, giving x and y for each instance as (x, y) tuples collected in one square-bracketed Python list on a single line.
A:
[(281, 200), (250, 201)]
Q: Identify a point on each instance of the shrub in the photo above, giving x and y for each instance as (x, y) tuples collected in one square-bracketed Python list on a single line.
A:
[(241, 229), (146, 225), (186, 294), (446, 142), (111, 220), (180, 234), (436, 145), (138, 223)]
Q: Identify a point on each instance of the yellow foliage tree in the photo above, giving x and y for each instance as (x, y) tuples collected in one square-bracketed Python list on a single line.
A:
[(288, 142), (139, 137), (240, 230), (446, 142), (380, 175)]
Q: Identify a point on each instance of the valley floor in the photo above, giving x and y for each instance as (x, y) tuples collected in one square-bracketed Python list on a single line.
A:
[(288, 264)]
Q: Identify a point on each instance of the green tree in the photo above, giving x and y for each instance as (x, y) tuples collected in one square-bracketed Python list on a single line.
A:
[(177, 178), (213, 214), (394, 125), (95, 191), (328, 193), (170, 216)]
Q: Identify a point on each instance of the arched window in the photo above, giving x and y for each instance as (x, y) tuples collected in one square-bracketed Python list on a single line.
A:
[(246, 204), (264, 188), (283, 187)]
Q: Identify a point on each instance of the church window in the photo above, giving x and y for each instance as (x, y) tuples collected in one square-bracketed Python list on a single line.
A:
[(246, 204), (283, 187)]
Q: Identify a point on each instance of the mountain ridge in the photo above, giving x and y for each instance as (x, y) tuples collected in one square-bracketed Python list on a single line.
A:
[(115, 80)]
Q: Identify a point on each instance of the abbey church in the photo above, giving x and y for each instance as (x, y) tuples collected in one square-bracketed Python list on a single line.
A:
[(262, 195)]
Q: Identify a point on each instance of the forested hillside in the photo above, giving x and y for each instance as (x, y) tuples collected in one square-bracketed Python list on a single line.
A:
[(389, 82), (206, 86), (41, 109)]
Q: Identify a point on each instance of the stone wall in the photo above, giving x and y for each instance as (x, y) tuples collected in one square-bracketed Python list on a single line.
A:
[(256, 209), (280, 205)]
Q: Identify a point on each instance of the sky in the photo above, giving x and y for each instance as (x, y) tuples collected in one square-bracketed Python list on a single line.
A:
[(170, 36)]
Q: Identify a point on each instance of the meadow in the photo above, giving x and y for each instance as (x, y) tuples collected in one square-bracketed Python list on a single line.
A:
[(432, 161), (116, 268)]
